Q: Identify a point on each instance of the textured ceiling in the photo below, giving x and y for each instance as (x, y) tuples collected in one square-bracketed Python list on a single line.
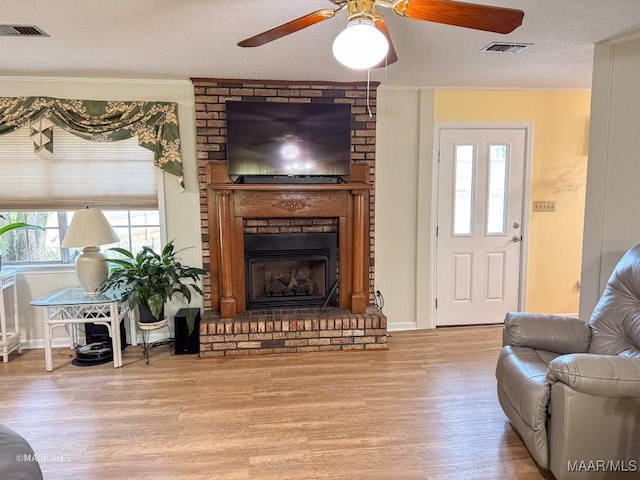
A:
[(169, 39)]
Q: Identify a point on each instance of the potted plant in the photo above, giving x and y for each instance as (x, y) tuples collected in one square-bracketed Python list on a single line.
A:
[(149, 280), (13, 225)]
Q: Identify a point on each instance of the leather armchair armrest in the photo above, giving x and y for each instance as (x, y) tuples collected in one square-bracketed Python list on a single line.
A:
[(607, 376), (553, 333)]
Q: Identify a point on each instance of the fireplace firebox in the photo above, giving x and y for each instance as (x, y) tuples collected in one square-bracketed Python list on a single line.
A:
[(289, 270)]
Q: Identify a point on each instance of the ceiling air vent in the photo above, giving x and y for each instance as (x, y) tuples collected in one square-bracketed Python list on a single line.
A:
[(505, 47), (21, 31)]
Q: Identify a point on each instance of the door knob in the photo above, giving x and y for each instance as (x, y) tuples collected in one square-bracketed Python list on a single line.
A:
[(516, 239)]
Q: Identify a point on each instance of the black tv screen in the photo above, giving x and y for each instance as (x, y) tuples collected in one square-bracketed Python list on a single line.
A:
[(292, 139)]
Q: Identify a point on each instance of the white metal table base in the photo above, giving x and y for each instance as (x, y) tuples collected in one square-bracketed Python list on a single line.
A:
[(108, 314), (9, 341)]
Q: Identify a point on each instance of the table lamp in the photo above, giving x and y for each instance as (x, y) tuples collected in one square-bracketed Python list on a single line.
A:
[(89, 229)]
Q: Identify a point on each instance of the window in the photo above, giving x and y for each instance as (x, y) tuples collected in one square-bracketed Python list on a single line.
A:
[(117, 177), (497, 192), (135, 228), (463, 199)]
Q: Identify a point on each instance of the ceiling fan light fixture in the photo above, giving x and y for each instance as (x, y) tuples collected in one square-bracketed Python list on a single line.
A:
[(361, 45)]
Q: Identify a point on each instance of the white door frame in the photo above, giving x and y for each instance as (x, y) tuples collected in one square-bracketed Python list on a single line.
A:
[(526, 201)]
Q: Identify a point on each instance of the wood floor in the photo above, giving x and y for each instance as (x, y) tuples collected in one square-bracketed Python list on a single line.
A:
[(424, 409)]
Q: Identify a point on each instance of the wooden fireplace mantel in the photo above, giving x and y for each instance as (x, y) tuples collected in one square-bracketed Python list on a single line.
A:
[(228, 204)]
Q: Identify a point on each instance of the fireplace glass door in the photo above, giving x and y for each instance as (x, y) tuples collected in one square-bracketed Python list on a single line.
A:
[(290, 270)]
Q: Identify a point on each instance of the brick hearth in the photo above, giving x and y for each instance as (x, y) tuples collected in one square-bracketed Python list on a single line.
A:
[(292, 330)]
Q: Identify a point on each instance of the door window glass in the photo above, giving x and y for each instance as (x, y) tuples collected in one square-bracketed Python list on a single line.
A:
[(463, 190), (497, 197)]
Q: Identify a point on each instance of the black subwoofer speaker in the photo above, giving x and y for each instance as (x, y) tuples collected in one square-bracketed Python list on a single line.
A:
[(185, 342), (100, 333)]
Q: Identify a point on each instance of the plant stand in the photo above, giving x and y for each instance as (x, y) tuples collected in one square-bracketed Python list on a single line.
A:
[(146, 328)]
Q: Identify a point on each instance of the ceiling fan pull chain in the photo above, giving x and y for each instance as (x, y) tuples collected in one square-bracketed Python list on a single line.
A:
[(386, 70), (368, 81)]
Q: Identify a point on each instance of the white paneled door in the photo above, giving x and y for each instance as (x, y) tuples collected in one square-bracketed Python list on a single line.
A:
[(479, 234)]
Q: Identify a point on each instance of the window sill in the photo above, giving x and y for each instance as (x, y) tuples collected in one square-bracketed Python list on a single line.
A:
[(40, 269)]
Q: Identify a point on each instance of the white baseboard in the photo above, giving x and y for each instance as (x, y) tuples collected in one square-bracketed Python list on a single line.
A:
[(401, 326), (64, 342), (39, 343)]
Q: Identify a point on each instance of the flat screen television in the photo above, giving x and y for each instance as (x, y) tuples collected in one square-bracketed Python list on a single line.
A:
[(288, 139)]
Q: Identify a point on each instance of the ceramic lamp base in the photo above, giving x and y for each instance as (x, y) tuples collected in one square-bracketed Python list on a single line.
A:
[(92, 269)]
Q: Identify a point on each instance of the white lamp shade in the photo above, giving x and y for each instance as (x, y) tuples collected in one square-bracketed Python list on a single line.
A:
[(361, 45), (89, 227)]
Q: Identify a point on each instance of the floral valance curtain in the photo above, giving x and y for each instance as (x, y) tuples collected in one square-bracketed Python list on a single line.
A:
[(155, 124)]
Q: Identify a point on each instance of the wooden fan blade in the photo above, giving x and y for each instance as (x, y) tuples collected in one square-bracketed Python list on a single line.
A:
[(469, 15), (392, 57), (288, 28)]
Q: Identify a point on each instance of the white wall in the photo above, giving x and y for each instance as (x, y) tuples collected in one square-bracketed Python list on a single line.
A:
[(181, 209), (612, 217), (404, 152), (404, 160)]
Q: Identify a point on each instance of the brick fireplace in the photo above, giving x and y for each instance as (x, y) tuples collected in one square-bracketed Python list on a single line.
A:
[(312, 299)]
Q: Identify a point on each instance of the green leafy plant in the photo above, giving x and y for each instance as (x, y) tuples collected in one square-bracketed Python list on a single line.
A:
[(151, 279), (10, 226)]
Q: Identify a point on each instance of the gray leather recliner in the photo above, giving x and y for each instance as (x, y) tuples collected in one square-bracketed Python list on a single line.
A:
[(572, 389), (17, 459)]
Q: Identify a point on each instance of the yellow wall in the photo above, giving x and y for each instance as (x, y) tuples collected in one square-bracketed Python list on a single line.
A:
[(559, 164)]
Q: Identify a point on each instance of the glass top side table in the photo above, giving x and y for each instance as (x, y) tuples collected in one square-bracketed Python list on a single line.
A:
[(73, 296), (71, 306)]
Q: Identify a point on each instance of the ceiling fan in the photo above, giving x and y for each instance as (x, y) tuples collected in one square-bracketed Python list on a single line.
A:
[(366, 41)]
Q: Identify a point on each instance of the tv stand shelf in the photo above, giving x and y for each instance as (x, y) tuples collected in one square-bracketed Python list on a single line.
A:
[(219, 180), (290, 186), (285, 179)]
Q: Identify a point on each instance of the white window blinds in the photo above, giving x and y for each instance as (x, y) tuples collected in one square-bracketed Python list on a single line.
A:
[(116, 175)]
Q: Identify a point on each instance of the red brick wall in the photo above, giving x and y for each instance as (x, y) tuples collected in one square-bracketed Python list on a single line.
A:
[(290, 225), (210, 96)]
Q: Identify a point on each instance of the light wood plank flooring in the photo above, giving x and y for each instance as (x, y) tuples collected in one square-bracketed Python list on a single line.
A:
[(424, 409)]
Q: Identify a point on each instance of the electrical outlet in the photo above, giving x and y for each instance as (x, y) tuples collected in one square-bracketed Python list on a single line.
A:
[(544, 206)]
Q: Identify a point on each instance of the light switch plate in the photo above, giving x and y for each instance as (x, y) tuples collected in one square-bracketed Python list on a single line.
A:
[(544, 206)]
